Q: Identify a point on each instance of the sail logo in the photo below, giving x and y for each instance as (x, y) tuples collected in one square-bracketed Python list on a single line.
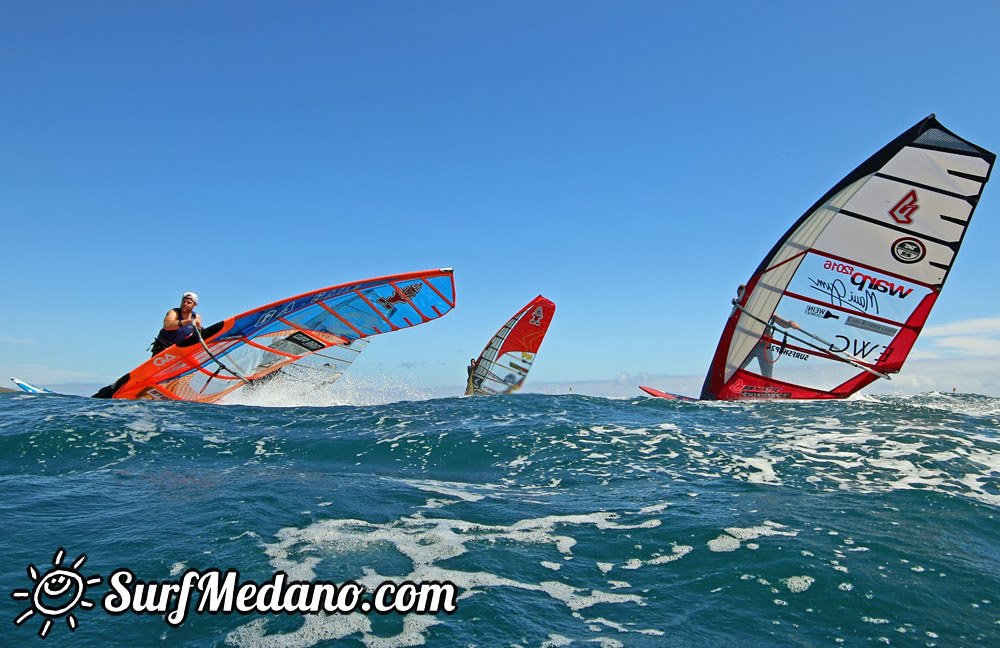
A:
[(818, 311), (301, 339), (874, 327), (903, 211), (151, 393), (863, 281), (908, 250), (743, 390), (757, 391), (536, 317), (277, 314), (400, 296), (861, 348)]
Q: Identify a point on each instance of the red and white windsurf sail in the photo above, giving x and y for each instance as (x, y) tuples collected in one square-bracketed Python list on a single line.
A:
[(504, 363), (842, 297)]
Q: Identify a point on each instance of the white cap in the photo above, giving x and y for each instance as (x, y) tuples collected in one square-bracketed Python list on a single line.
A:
[(191, 295)]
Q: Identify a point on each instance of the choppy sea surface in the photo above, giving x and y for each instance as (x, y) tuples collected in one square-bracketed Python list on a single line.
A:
[(561, 520)]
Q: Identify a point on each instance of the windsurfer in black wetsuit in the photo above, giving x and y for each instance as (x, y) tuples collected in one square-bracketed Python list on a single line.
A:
[(178, 323), (471, 384)]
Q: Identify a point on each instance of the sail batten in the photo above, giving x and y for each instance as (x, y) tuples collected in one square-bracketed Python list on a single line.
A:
[(858, 273)]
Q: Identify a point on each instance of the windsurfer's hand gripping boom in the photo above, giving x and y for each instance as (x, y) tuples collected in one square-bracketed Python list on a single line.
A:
[(785, 324)]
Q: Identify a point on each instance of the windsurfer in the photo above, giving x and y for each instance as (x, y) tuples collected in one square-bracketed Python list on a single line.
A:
[(760, 350), (739, 298), (470, 384), (178, 323)]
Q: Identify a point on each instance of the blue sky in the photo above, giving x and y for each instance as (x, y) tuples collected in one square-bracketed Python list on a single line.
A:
[(632, 161)]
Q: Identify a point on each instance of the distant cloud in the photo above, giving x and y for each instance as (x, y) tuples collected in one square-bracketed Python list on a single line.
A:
[(972, 337), (403, 365), (14, 340), (969, 345), (980, 326)]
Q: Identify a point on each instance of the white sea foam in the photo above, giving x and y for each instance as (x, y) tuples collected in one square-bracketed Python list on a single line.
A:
[(798, 584), (141, 425), (349, 389), (142, 430), (761, 469), (677, 552), (733, 536), (723, 543), (908, 456), (426, 543), (451, 489), (769, 528)]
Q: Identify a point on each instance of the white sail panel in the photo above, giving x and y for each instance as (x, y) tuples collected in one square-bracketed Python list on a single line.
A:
[(948, 172), (877, 199), (899, 253)]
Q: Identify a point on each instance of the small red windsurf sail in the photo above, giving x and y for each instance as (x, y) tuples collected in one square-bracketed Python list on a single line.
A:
[(335, 321), (841, 298), (504, 363)]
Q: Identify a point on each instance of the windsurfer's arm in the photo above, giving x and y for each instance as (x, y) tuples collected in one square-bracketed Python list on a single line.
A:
[(783, 323), (171, 322)]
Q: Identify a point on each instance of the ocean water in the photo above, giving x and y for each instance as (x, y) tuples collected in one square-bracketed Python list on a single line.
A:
[(560, 520)]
